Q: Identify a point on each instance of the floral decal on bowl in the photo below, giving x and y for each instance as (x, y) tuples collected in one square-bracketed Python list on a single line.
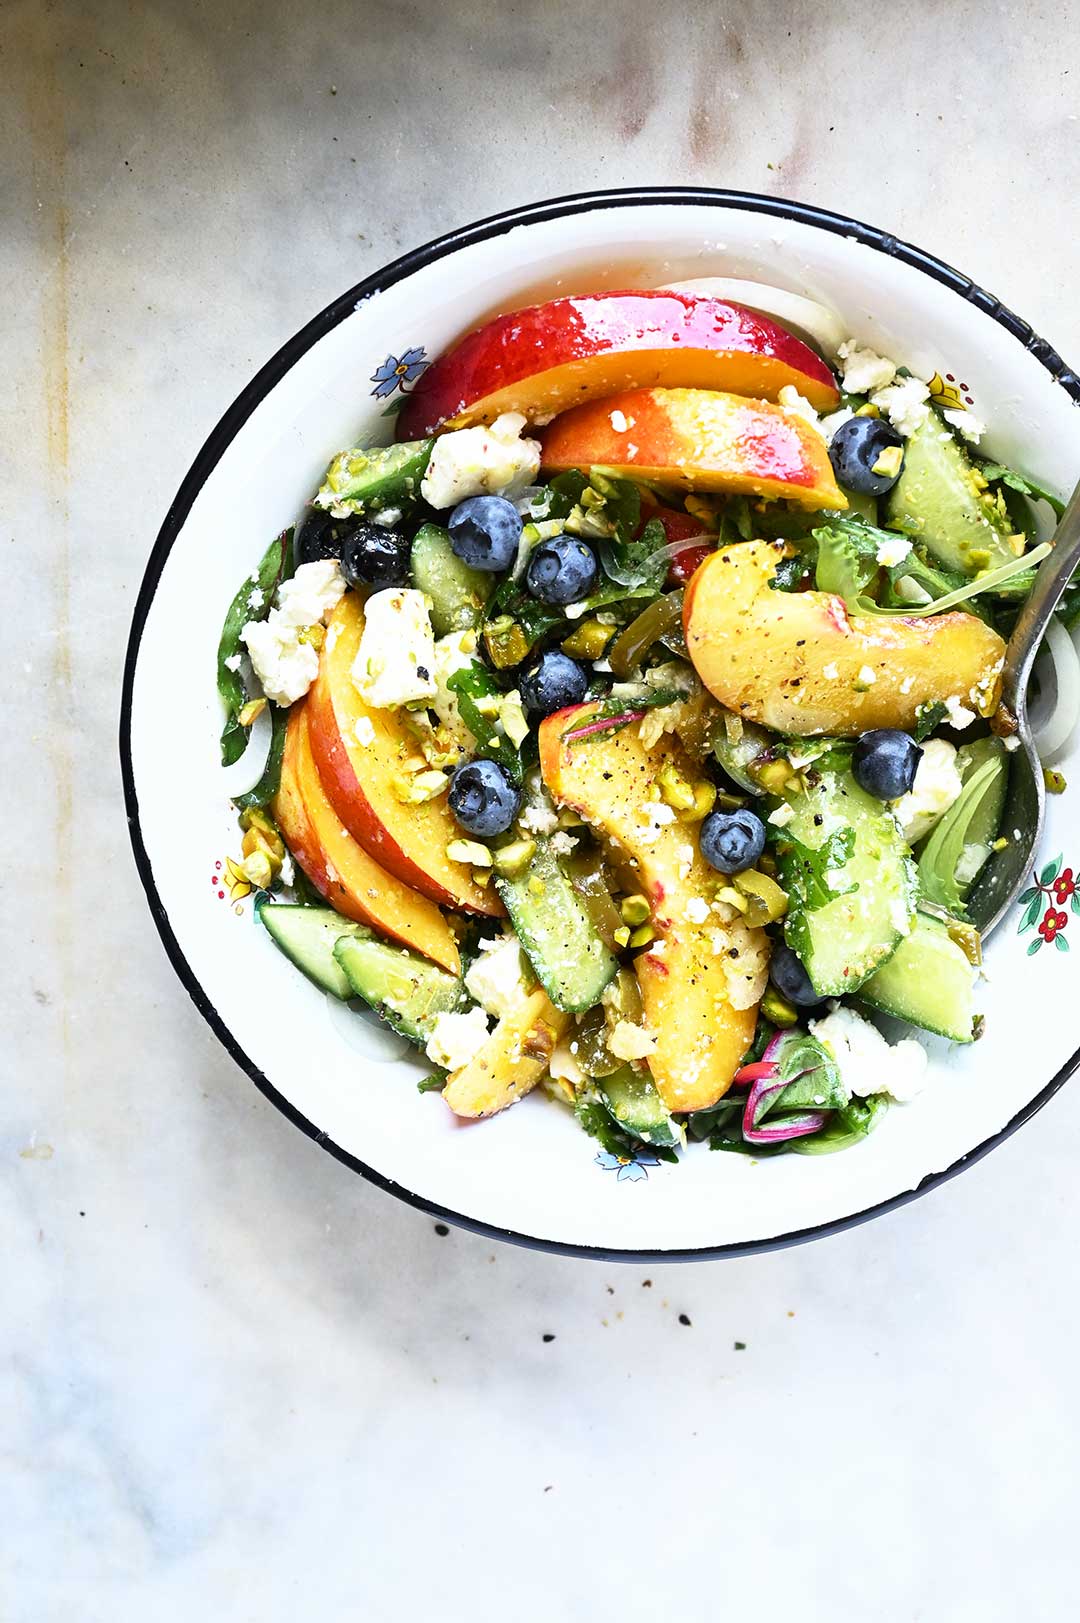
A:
[(1054, 890), (627, 1169), (398, 372), (948, 393)]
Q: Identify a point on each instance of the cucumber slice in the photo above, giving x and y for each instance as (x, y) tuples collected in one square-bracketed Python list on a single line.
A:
[(406, 990), (635, 1105), (928, 981), (307, 936), (554, 926), (458, 594), (937, 500), (376, 480), (849, 876), (954, 853)]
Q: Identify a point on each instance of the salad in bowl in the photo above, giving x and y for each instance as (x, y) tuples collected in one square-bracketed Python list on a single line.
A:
[(633, 718)]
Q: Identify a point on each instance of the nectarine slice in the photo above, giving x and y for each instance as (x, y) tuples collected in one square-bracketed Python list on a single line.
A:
[(340, 869), (511, 1062), (409, 841), (703, 963), (697, 439), (799, 663), (568, 351)]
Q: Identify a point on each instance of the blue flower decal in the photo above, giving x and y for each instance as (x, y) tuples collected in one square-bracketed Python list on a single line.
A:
[(627, 1171), (397, 372)]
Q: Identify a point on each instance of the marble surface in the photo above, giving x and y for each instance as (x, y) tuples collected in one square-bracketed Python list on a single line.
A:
[(234, 1380)]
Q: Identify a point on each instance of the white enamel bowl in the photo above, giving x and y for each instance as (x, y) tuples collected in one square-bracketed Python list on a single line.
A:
[(530, 1174)]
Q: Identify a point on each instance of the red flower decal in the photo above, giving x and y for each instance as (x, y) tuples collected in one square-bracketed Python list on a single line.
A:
[(1064, 886), (1053, 921)]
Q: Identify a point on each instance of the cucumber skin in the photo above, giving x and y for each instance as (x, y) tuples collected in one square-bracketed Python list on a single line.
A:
[(325, 928), (871, 823), (458, 594), (446, 992), (634, 1104), (926, 964), (390, 477), (556, 922)]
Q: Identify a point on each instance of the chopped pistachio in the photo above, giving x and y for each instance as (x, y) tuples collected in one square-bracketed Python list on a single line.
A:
[(635, 910), (314, 635), (888, 463), (488, 704), (675, 791), (481, 877), (512, 716), (511, 860), (642, 936), (773, 775), (968, 939), (767, 901), (470, 851), (869, 410), (588, 640), (1000, 844), (778, 1009), (1054, 781), (622, 936), (728, 894), (418, 787), (250, 711), (704, 801)]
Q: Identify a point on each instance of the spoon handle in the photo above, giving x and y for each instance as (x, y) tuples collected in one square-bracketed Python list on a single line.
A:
[(1051, 580)]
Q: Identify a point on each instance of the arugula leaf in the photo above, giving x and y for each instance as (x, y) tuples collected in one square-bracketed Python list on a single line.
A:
[(640, 562), (472, 684), (997, 473), (813, 864), (275, 566), (927, 717), (790, 573), (267, 786)]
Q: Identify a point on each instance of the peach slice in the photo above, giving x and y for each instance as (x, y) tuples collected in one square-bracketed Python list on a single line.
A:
[(799, 663), (340, 869), (702, 963), (410, 841), (697, 439), (511, 1062), (550, 356)]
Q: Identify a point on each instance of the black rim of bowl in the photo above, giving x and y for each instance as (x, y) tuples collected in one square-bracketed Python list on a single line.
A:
[(214, 448)]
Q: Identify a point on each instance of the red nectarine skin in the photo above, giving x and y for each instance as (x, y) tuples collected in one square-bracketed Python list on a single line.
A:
[(568, 351), (340, 869), (699, 439)]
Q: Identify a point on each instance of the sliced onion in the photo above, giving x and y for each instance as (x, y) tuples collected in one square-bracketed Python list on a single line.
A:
[(806, 317), (1058, 708), (245, 773)]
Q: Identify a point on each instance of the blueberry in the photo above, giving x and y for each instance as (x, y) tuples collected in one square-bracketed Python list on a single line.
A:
[(553, 682), (790, 978), (562, 570), (375, 555), (483, 797), (484, 532), (885, 762), (732, 841), (320, 536), (854, 449)]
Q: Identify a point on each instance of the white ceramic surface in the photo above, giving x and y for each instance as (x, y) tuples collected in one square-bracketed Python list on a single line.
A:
[(505, 1174)]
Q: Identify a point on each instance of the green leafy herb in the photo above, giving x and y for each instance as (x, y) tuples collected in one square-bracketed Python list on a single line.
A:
[(997, 473), (640, 562), (475, 683), (276, 566), (791, 573), (927, 717), (852, 1122), (846, 559), (808, 876), (433, 1083)]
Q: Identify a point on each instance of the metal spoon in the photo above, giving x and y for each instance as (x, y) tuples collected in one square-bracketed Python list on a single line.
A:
[(1009, 869)]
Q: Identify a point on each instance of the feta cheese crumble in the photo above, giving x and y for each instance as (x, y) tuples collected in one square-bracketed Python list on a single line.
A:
[(904, 404), (966, 423), (498, 979), (697, 910), (782, 816), (958, 713), (618, 421), (285, 666), (937, 785), (892, 552), (395, 662), (629, 1041), (363, 731), (457, 1038), (491, 459), (863, 370), (797, 405), (868, 1064)]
